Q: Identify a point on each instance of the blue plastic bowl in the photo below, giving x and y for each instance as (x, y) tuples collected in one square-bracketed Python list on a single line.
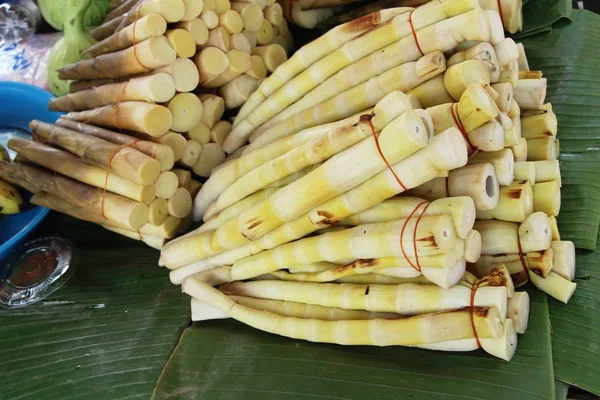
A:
[(19, 104)]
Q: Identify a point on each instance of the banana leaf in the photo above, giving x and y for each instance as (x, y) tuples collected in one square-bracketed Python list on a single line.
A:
[(561, 389), (540, 16), (227, 360), (106, 334)]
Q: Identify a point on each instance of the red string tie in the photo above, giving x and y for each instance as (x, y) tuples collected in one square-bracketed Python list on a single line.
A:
[(500, 11), (459, 124), (472, 311), (376, 138), (414, 32)]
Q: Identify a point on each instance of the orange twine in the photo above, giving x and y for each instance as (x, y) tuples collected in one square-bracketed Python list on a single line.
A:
[(471, 310), (137, 15), (383, 156), (414, 32), (500, 11), (459, 124)]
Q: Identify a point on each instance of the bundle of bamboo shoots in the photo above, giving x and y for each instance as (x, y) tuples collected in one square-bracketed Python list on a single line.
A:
[(152, 54), (311, 227), (125, 184)]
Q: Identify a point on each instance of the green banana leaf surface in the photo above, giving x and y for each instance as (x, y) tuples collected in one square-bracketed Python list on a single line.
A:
[(540, 16)]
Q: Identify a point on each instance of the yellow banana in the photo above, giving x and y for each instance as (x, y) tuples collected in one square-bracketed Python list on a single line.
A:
[(10, 199)]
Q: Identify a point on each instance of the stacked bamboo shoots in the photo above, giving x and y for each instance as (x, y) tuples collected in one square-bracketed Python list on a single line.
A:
[(158, 51), (125, 184), (390, 182)]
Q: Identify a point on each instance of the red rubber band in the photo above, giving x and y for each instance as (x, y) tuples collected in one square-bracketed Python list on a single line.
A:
[(417, 267), (499, 2), (459, 124), (137, 16), (118, 104), (471, 311), (415, 236), (414, 33), (383, 156), (290, 8), (522, 256), (108, 166)]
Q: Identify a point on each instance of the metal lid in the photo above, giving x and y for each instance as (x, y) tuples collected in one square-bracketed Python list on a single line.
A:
[(35, 270)]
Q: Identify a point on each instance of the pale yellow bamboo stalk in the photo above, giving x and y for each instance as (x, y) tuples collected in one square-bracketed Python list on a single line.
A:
[(166, 185), (530, 93), (432, 93), (151, 119), (191, 154), (564, 259), (222, 6), (199, 133), (252, 14), (175, 141), (520, 150), (236, 92), (219, 38), (153, 241), (503, 162), (554, 285), (459, 76), (258, 69), (477, 181), (186, 111), (274, 14), (210, 19), (483, 52), (197, 28), (182, 42), (377, 298), (319, 49), (512, 14), (408, 136), (231, 21), (193, 8), (538, 126), (452, 325), (510, 73), (358, 73), (158, 211), (499, 237), (516, 203), (239, 42), (253, 159), (310, 153), (523, 63), (157, 88), (518, 311), (214, 107), (234, 210), (461, 209), (505, 96), (525, 171), (120, 9), (71, 166), (363, 266), (264, 35), (162, 153), (201, 311), (185, 74), (155, 52), (220, 131), (146, 27), (194, 187), (402, 78), (239, 63), (541, 149), (546, 197), (111, 206), (180, 203), (273, 55), (445, 151), (125, 162), (211, 157), (170, 10), (211, 62)]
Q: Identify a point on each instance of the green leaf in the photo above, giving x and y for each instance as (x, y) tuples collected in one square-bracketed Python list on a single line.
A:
[(561, 390), (227, 360), (539, 16), (106, 334), (569, 60)]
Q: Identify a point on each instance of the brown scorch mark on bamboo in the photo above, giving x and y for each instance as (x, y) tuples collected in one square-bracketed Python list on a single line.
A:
[(367, 290), (519, 278), (514, 193), (481, 312), (255, 222), (363, 23), (547, 133), (328, 218), (368, 262), (430, 239)]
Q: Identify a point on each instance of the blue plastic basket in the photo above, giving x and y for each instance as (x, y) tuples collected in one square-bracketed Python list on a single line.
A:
[(19, 104)]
